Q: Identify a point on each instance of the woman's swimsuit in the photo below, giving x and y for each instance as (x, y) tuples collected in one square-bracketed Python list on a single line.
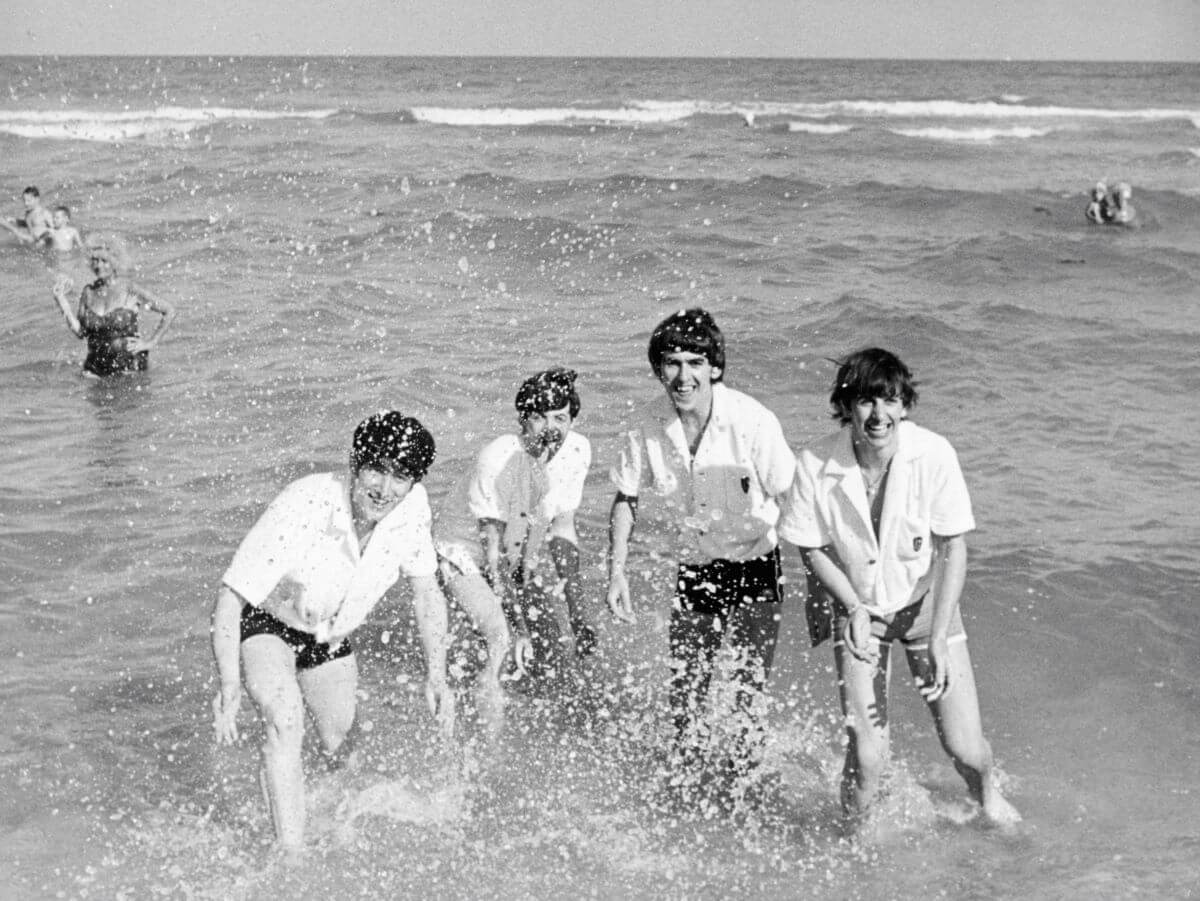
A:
[(106, 334)]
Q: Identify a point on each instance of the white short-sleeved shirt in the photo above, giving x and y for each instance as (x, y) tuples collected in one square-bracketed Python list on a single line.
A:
[(721, 504), (926, 495), (304, 543), (510, 486)]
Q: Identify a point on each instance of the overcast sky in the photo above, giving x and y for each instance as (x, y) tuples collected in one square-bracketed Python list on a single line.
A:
[(946, 29)]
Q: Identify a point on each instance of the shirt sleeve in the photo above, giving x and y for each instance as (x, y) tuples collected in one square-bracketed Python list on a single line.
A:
[(626, 474), (275, 544), (774, 460), (800, 520), (950, 512), (485, 492), (414, 535)]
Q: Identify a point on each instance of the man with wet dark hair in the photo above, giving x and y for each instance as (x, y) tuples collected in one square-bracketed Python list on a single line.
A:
[(307, 575), (880, 512), (716, 461), (518, 501)]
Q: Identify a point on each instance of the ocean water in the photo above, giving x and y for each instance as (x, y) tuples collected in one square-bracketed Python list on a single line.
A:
[(342, 235)]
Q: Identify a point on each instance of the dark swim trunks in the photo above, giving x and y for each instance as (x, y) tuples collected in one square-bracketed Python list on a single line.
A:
[(309, 652), (720, 586)]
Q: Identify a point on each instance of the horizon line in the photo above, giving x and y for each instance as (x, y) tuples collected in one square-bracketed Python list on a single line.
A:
[(621, 57)]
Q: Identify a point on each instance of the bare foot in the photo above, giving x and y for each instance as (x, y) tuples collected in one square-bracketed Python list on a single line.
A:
[(998, 811)]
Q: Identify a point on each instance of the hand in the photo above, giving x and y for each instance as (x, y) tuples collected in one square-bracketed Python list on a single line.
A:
[(62, 285), (225, 709), (857, 635), (522, 654), (136, 344), (618, 597), (441, 704), (939, 661)]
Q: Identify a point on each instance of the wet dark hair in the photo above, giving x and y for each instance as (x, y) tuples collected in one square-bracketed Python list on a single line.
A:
[(66, 209), (392, 443), (872, 372), (551, 389), (31, 190), (690, 331)]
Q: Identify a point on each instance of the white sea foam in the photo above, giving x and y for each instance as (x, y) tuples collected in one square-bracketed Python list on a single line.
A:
[(109, 126), (818, 128), (972, 135), (658, 111)]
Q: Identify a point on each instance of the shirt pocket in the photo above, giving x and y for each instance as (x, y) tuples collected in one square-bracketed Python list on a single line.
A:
[(913, 539)]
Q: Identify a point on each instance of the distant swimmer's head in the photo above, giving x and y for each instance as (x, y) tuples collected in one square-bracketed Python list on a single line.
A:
[(60, 216), (691, 331), (391, 443), (1100, 191), (1123, 191), (868, 374), (547, 404), (110, 250)]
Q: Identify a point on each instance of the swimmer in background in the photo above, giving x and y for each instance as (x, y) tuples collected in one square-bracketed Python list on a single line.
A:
[(1095, 207), (63, 237), (306, 575), (107, 313), (1118, 210), (37, 221)]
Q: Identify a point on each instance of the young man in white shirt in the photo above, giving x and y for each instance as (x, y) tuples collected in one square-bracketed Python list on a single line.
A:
[(513, 508), (715, 462), (306, 575), (880, 511)]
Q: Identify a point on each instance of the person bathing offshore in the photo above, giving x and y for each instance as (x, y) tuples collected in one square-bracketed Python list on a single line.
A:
[(880, 512), (36, 222), (513, 508), (716, 463), (108, 311), (307, 574)]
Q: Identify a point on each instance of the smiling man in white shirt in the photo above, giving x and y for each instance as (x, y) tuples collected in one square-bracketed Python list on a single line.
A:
[(715, 461), (306, 575), (880, 511)]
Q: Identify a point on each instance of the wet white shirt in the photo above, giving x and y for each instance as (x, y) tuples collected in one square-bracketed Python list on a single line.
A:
[(722, 504), (926, 495), (304, 545), (510, 486)]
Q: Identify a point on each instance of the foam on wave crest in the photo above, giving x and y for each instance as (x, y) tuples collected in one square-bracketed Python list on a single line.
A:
[(108, 126)]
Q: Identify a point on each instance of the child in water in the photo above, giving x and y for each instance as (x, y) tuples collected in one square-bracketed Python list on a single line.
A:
[(1095, 208), (63, 237)]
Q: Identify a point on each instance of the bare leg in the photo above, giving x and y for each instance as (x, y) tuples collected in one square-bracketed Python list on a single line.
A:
[(960, 728), (863, 688), (269, 668), (328, 691)]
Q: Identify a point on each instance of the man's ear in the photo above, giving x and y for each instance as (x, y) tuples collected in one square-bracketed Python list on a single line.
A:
[(716, 373)]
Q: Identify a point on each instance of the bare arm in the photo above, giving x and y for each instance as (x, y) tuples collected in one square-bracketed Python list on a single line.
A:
[(164, 308), (61, 286), (19, 233), (226, 643), (564, 551), (621, 520), (949, 577), (430, 606), (498, 574)]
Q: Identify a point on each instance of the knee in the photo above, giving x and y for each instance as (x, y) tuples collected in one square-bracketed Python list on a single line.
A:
[(284, 722)]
